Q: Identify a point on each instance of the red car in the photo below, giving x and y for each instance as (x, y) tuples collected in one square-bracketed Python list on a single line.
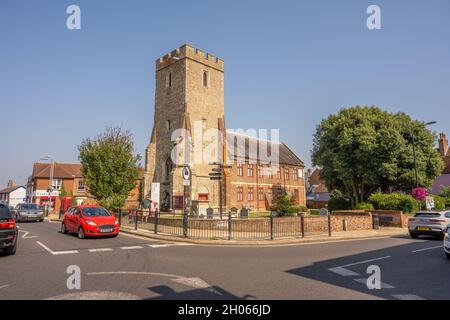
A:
[(90, 221)]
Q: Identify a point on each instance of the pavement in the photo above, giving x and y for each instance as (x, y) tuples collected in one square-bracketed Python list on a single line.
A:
[(132, 267)]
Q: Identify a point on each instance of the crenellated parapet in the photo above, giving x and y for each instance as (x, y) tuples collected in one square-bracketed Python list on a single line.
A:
[(189, 52)]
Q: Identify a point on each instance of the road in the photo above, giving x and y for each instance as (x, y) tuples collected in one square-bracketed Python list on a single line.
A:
[(129, 267)]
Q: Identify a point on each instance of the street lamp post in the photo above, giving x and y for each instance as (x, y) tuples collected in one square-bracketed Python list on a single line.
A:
[(50, 188), (416, 170)]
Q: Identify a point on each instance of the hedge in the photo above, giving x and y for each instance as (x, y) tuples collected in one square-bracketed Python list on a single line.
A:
[(394, 201)]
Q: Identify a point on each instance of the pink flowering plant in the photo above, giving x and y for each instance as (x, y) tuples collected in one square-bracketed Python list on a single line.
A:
[(419, 194)]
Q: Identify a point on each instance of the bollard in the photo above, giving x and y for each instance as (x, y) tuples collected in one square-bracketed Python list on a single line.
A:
[(156, 221), (344, 225), (329, 224), (229, 225), (376, 222), (271, 227), (302, 224), (136, 213)]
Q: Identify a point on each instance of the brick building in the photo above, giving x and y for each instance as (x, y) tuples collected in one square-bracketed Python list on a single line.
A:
[(189, 97), (67, 177), (444, 179), (317, 193)]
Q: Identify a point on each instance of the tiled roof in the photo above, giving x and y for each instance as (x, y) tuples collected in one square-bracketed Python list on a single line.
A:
[(286, 155), (314, 178), (11, 189), (442, 180), (61, 170)]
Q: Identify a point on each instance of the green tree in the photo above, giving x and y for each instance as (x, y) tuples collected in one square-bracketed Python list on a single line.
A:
[(365, 149), (110, 166)]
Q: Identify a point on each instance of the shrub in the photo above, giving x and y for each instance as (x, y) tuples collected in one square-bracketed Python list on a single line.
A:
[(394, 201), (299, 208), (439, 203), (338, 202), (283, 206), (364, 206)]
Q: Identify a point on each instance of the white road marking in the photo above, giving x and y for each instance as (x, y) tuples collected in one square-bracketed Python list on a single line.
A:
[(343, 272), (196, 283), (165, 245), (383, 285), (55, 253), (132, 248), (365, 261), (25, 235), (425, 249), (100, 250), (407, 297), (4, 286)]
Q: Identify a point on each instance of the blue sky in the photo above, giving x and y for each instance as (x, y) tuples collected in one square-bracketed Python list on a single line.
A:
[(288, 64)]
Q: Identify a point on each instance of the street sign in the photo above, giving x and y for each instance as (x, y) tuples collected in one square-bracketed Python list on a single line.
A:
[(186, 173), (186, 183), (154, 197)]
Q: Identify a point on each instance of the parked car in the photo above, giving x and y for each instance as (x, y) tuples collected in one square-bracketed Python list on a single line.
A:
[(8, 231), (29, 212), (90, 221), (429, 223), (447, 242)]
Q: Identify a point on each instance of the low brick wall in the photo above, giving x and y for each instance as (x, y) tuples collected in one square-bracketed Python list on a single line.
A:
[(351, 220), (391, 218)]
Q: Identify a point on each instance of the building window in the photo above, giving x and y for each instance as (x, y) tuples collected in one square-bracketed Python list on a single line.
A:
[(250, 196), (205, 79), (269, 193), (56, 184), (168, 124), (81, 186), (295, 174), (296, 196), (170, 79), (269, 172), (168, 168), (250, 170), (286, 174), (278, 170), (178, 202), (300, 173), (260, 193), (260, 171), (240, 193), (240, 169)]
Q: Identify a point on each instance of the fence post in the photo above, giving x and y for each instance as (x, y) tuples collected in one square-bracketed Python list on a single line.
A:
[(329, 224), (185, 224), (229, 226), (302, 224), (136, 220), (271, 227), (120, 217), (156, 220)]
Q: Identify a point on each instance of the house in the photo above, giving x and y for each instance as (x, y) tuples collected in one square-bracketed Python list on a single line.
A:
[(69, 187), (444, 178), (13, 195), (317, 194), (189, 97)]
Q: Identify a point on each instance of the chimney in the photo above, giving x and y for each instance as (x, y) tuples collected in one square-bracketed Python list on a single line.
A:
[(443, 144), (10, 184)]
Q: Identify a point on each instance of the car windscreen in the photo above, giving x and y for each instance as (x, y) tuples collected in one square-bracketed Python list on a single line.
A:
[(5, 213), (427, 214), (29, 206), (95, 212)]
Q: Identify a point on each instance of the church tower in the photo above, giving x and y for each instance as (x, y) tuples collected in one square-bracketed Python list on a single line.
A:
[(189, 95)]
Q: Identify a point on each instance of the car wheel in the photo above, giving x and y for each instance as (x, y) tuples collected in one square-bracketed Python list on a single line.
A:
[(447, 255), (114, 235), (11, 250), (63, 228), (414, 235), (81, 234)]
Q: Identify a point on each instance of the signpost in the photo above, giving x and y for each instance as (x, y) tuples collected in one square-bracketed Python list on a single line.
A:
[(154, 197), (186, 184), (217, 174)]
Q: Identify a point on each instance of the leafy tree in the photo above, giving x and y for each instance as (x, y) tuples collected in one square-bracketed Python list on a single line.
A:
[(110, 166), (365, 149)]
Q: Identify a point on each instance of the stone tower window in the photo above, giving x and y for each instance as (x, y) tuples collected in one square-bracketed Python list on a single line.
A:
[(168, 168), (168, 124), (169, 80), (205, 79)]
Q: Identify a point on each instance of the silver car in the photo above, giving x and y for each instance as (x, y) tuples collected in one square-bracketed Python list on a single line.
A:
[(429, 223), (29, 212)]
